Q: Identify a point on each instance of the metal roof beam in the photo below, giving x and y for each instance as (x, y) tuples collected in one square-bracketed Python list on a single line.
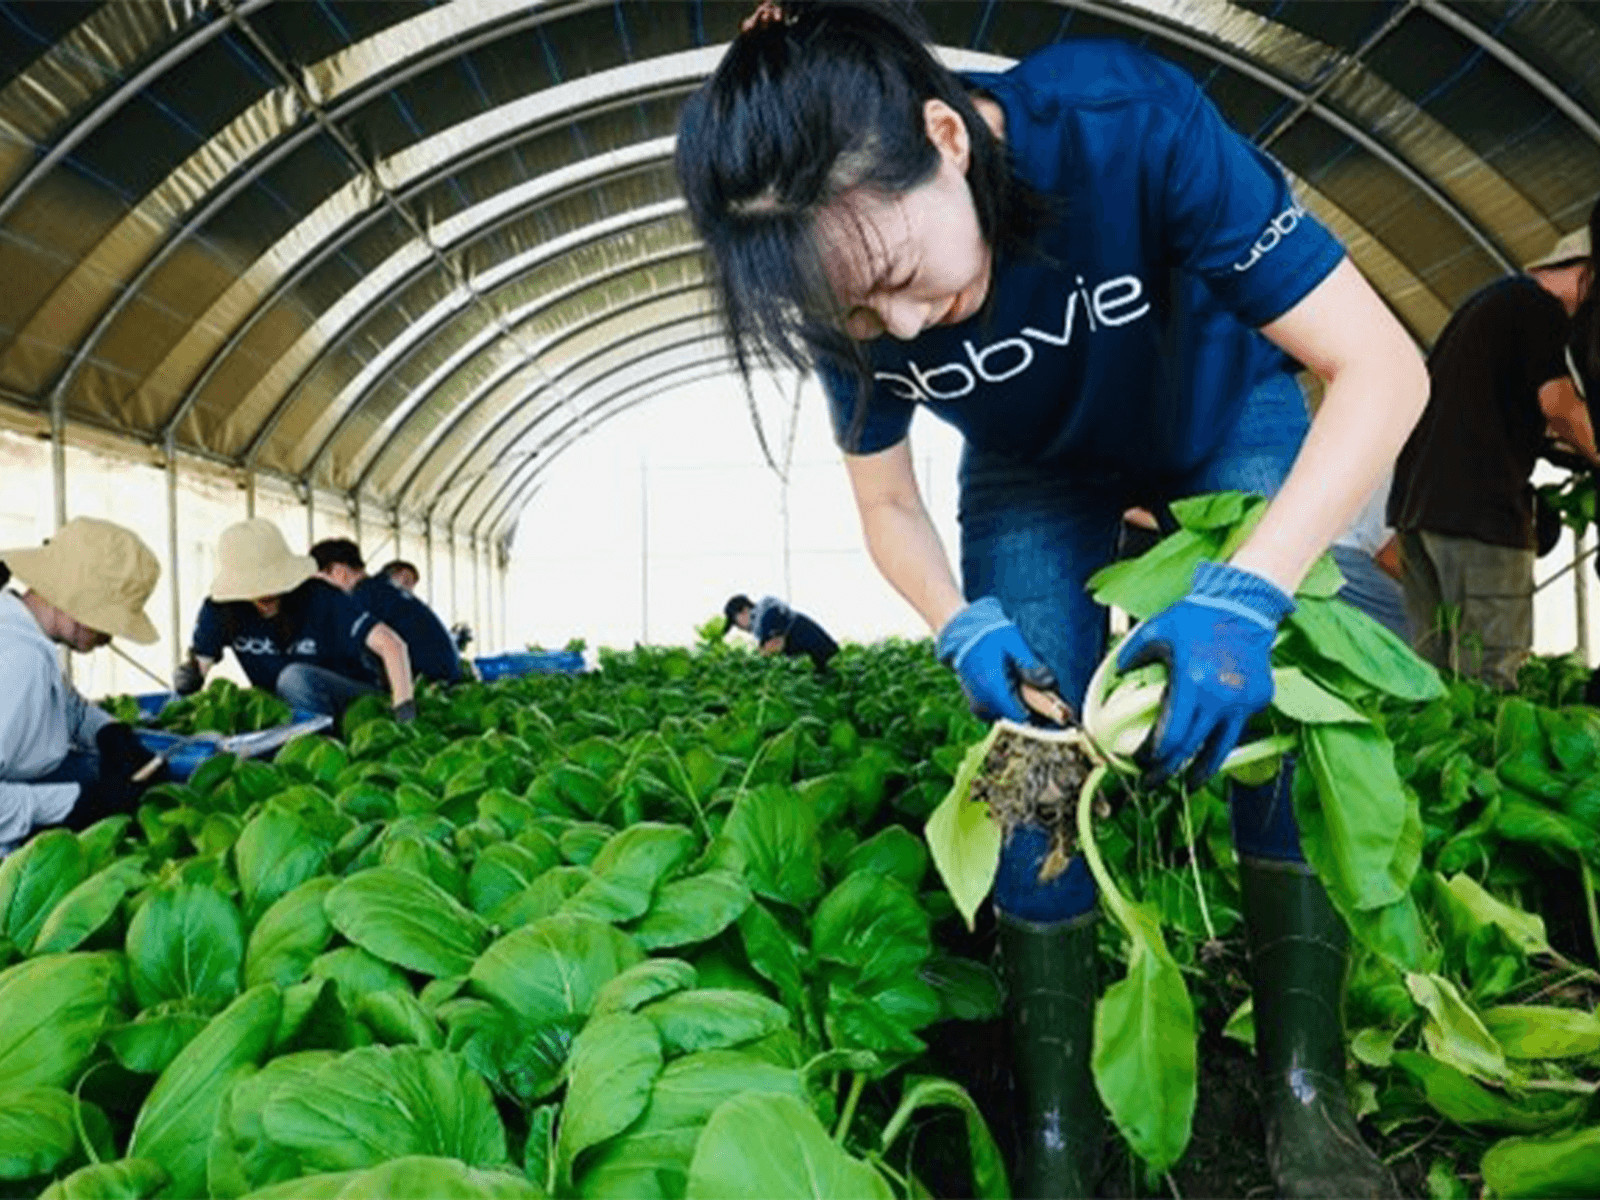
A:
[(509, 453)]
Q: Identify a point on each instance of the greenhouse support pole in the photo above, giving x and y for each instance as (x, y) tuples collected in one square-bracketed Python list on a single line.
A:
[(250, 494), (644, 552), (396, 531), (355, 518), (172, 548), (455, 596), (1580, 590), (505, 610), (311, 514), (477, 609), (427, 559)]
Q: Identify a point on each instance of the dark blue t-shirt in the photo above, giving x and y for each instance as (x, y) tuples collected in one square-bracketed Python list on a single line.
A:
[(317, 624), (1129, 340), (433, 653)]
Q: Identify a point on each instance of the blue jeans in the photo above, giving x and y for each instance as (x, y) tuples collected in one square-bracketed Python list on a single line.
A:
[(1033, 533), (319, 690)]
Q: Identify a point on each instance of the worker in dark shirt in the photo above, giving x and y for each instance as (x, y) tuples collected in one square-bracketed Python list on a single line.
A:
[(433, 653), (294, 635), (778, 629), (404, 575), (1462, 502)]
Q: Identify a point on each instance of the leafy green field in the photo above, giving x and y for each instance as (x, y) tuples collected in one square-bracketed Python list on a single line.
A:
[(670, 930), (654, 932)]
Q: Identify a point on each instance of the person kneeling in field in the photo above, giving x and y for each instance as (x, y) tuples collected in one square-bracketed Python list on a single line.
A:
[(63, 761), (433, 652), (778, 629), (293, 633)]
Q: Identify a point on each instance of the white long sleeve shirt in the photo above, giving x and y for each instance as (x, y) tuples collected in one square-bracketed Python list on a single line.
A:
[(42, 717)]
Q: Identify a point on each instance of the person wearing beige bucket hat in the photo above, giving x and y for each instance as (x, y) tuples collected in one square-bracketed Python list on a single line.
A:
[(63, 761), (294, 634), (1502, 385)]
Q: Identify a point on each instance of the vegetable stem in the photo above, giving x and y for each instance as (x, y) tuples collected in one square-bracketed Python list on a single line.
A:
[(1588, 903), (1194, 865), (858, 1081), (1117, 902)]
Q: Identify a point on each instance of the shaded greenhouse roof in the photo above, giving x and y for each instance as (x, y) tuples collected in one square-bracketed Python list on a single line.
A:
[(410, 252)]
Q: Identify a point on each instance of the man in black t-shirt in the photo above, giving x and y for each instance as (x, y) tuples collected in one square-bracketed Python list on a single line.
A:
[(1462, 502), (433, 652), (778, 629)]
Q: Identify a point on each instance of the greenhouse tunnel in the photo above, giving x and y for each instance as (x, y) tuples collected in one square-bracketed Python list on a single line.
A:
[(387, 262)]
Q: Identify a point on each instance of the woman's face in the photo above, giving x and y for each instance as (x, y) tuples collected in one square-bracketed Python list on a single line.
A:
[(900, 264), (268, 606)]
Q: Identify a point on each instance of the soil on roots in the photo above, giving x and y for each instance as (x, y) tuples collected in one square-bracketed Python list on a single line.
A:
[(1035, 780)]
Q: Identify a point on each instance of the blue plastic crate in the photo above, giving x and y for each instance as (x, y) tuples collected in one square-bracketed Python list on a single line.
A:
[(151, 703), (187, 759), (529, 662)]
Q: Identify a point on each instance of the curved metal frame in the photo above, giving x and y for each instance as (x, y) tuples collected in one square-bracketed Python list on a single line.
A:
[(589, 416), (448, 478), (636, 219), (506, 453)]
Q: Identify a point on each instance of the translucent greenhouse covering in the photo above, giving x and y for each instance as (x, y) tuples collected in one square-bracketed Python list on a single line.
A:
[(388, 261)]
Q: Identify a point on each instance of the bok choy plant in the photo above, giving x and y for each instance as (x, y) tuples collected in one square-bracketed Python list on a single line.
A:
[(1360, 828)]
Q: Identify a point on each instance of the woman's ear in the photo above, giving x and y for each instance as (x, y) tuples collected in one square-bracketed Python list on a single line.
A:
[(948, 133)]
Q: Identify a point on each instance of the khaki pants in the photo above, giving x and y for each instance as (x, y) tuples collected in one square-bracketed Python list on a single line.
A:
[(1470, 603)]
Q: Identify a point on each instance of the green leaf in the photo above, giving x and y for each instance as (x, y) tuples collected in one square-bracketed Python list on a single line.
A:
[(1453, 1032), (128, 1179), (147, 1045), (1144, 1049), (988, 1167), (614, 1063), (289, 935), (355, 972), (553, 967), (276, 852), (895, 852), (1543, 1031), (770, 838), (174, 1124), (504, 870), (53, 1011), (775, 1148), (1566, 1164), (186, 943), (772, 953), (38, 1131), (964, 839), (415, 1176), (714, 1019), (692, 910), (407, 920), (539, 1153), (642, 983), (967, 990), (1343, 635), (1351, 823), (397, 1018), (1300, 698), (240, 1156), (84, 910), (385, 1102), (34, 878), (1525, 929), (626, 871), (651, 1160), (1159, 577), (1460, 1098), (873, 924)]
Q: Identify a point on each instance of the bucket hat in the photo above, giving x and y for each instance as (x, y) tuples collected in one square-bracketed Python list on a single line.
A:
[(1571, 248), (98, 573), (254, 561)]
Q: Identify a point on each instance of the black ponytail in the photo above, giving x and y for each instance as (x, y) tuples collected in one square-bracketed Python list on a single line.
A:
[(804, 107)]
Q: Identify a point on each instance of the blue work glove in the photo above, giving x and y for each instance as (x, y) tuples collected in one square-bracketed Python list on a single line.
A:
[(1217, 646), (987, 651)]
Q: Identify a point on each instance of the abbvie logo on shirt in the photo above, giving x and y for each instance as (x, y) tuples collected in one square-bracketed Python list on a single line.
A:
[(1118, 301)]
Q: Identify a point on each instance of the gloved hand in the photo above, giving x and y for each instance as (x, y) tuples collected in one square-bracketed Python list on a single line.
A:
[(989, 654), (187, 678), (122, 754), (105, 797), (405, 713), (1217, 646)]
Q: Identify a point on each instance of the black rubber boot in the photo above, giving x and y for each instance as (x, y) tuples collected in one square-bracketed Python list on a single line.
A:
[(1298, 956), (1052, 984)]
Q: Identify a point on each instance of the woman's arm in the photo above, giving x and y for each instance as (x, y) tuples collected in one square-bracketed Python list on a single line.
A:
[(1377, 386), (900, 535), (396, 658)]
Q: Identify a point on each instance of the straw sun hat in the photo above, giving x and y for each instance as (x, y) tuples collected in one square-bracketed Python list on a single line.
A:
[(98, 573), (1571, 248), (253, 561)]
